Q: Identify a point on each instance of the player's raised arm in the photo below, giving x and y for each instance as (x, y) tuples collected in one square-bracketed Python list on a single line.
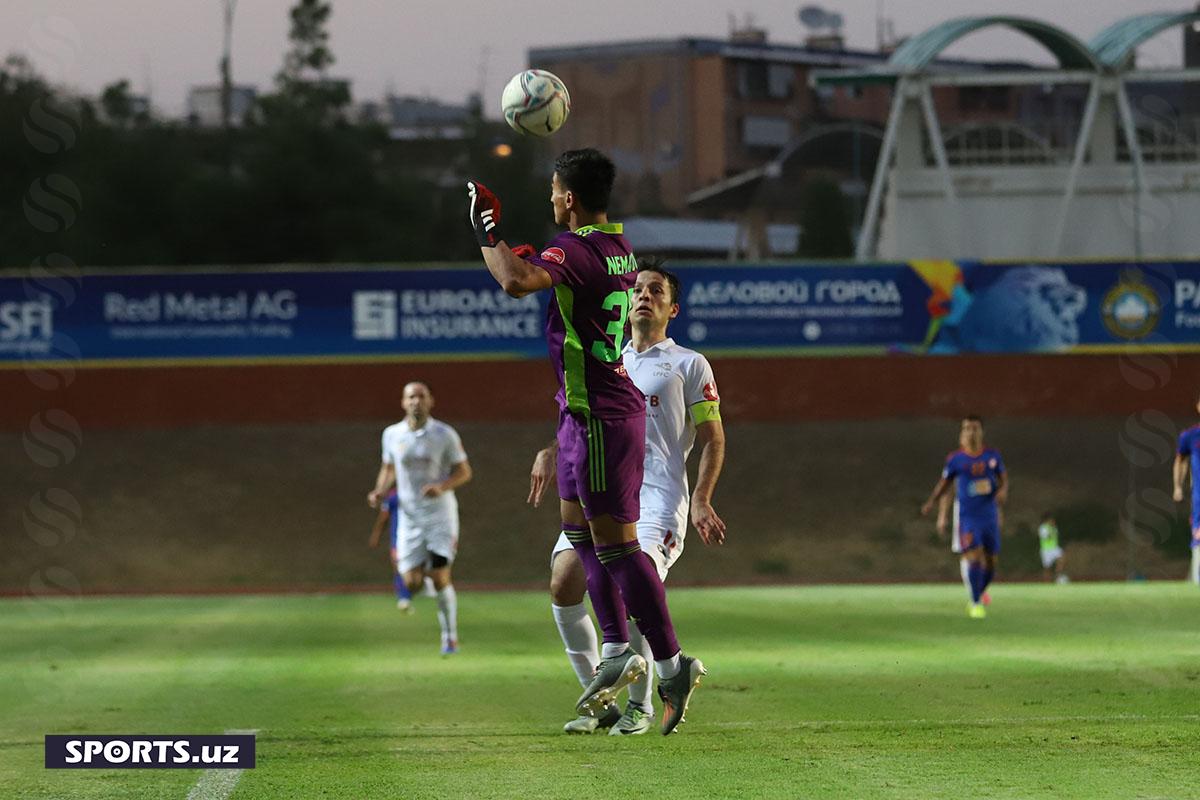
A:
[(712, 457), (516, 276)]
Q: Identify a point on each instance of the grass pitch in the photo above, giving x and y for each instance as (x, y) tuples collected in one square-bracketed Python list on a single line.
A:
[(848, 692)]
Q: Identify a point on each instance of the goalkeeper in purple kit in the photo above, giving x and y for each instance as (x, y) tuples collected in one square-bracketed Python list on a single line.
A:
[(602, 420)]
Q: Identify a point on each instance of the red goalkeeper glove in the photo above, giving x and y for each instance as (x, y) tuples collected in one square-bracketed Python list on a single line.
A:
[(484, 214), (523, 250)]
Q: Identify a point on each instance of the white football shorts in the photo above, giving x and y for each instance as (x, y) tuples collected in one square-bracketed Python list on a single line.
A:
[(419, 541), (1050, 556)]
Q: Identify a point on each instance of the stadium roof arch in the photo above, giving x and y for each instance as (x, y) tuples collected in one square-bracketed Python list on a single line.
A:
[(738, 191), (1105, 66), (1115, 46), (921, 51)]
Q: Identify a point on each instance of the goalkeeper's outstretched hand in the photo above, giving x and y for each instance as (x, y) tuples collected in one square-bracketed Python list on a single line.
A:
[(485, 213)]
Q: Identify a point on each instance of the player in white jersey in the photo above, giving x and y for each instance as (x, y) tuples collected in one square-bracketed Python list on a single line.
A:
[(682, 406), (424, 459)]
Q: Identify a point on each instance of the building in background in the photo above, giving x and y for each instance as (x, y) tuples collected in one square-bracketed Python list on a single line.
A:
[(681, 115), (1191, 43), (737, 129), (704, 238), (204, 105), (1106, 168), (414, 118)]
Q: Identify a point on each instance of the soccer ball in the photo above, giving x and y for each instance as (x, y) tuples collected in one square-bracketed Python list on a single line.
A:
[(536, 102)]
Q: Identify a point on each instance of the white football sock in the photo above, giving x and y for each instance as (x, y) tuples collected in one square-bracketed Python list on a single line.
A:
[(964, 569), (447, 602), (610, 649), (640, 690), (668, 667), (1195, 571), (430, 590), (579, 638)]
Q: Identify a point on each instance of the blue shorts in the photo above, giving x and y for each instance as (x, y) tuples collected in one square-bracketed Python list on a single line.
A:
[(979, 533)]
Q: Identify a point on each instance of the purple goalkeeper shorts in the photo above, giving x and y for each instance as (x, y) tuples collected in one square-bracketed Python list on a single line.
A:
[(600, 463)]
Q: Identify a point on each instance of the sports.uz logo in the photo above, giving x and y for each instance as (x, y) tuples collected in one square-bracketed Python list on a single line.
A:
[(375, 315), (26, 325)]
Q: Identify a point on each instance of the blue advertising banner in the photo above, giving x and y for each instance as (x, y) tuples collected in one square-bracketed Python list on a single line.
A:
[(934, 307), (844, 308), (267, 315), (943, 307)]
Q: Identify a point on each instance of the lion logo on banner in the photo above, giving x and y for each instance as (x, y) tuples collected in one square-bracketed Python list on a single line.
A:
[(1032, 308)]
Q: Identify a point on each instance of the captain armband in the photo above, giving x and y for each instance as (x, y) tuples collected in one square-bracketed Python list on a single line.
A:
[(705, 411)]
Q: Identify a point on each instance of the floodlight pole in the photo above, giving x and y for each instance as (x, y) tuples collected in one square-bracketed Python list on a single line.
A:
[(226, 70)]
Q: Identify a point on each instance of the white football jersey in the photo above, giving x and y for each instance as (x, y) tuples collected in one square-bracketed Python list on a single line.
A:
[(680, 393), (423, 456)]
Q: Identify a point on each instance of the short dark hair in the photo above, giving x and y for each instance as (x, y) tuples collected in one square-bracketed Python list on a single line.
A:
[(1047, 516), (973, 418), (655, 264), (589, 174)]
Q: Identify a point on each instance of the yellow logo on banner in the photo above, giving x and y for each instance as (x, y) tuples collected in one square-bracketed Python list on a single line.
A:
[(1131, 309)]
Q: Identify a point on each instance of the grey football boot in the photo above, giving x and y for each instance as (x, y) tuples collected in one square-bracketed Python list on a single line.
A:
[(586, 724), (676, 691), (612, 675)]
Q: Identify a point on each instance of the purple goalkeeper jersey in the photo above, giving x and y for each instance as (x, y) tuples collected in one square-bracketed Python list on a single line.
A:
[(593, 271)]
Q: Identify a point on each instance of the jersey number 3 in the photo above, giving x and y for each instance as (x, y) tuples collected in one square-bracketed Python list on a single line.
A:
[(618, 302)]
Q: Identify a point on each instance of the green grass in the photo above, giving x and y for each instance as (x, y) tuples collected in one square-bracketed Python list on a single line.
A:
[(850, 692)]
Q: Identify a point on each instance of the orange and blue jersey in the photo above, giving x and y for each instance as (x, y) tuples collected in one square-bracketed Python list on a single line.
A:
[(1189, 447), (976, 478)]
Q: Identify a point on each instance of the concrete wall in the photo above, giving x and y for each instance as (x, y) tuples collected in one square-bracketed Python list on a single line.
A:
[(282, 506), (1013, 213), (234, 478), (758, 390)]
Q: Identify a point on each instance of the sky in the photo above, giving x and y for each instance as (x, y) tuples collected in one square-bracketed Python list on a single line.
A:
[(448, 49)]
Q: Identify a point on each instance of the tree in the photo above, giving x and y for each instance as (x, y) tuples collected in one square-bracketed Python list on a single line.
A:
[(304, 85), (310, 40), (824, 221), (119, 106)]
